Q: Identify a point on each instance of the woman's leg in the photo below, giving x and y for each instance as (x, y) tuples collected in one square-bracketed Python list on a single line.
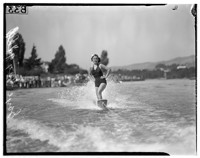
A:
[(100, 90), (96, 89)]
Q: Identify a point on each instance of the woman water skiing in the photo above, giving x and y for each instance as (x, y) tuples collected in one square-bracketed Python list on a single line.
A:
[(96, 74)]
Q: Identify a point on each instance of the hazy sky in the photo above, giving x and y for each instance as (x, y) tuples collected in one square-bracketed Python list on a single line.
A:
[(130, 34)]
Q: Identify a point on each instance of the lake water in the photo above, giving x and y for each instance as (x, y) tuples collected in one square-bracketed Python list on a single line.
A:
[(144, 116)]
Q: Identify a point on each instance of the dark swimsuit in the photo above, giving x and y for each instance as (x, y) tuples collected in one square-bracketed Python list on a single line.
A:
[(97, 75)]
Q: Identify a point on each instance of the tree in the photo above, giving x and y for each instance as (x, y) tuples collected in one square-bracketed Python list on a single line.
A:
[(58, 64), (173, 67), (71, 69), (161, 66), (104, 58), (19, 52), (33, 62)]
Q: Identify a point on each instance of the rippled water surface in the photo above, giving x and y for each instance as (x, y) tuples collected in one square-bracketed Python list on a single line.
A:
[(144, 116)]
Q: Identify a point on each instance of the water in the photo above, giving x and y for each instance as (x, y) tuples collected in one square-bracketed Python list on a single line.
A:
[(144, 116)]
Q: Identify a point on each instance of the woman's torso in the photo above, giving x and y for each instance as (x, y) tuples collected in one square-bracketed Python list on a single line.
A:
[(97, 73)]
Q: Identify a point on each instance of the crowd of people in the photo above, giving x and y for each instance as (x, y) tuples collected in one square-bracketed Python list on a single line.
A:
[(18, 81)]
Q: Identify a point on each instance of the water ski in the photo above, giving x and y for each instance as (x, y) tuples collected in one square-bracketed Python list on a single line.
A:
[(102, 104)]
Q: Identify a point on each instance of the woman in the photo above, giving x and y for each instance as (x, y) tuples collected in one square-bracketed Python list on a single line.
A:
[(96, 74)]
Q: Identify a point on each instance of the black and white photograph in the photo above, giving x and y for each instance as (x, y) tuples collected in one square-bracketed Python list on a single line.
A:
[(106, 79)]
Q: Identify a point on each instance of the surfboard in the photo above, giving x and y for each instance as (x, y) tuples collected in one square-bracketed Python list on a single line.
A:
[(102, 104)]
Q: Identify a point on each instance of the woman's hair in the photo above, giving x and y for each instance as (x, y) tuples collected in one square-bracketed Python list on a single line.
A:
[(96, 56)]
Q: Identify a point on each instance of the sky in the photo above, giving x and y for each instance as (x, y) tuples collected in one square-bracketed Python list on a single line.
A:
[(130, 34)]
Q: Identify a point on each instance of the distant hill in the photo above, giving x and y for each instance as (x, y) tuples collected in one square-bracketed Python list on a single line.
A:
[(189, 61)]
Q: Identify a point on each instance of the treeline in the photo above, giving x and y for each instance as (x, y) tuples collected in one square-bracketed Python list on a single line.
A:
[(182, 73), (33, 66), (143, 74), (176, 71), (169, 72)]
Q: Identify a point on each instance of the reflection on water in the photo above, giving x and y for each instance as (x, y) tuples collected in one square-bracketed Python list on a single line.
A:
[(152, 116)]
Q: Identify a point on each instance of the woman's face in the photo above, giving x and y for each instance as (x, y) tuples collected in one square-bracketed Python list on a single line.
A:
[(95, 60)]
